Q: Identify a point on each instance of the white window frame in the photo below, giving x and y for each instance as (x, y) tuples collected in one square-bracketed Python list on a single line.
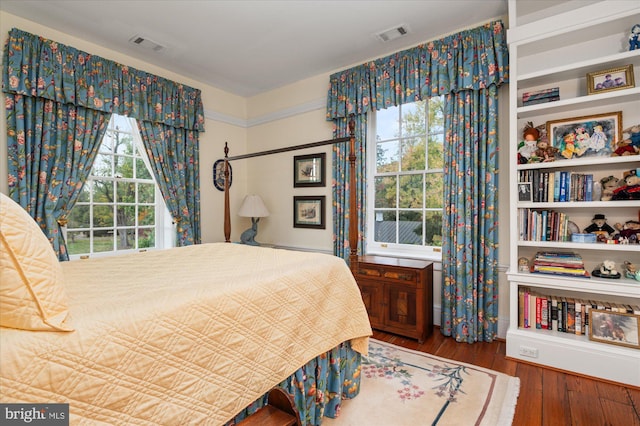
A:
[(165, 229), (433, 253)]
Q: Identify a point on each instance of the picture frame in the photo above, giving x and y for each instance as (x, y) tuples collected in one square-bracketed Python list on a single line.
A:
[(309, 211), (309, 170), (590, 135), (524, 191), (610, 79), (615, 328)]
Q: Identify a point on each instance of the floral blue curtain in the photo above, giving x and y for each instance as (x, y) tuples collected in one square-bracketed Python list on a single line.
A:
[(35, 67), (469, 61), (173, 154), (50, 152), (470, 239), (340, 185)]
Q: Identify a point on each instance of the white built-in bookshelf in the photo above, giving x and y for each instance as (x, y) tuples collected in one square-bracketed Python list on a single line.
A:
[(556, 46)]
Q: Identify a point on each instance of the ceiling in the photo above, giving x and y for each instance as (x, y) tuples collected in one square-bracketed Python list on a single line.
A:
[(247, 47)]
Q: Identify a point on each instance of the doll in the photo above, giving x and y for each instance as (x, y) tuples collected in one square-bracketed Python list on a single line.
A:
[(634, 37), (527, 148)]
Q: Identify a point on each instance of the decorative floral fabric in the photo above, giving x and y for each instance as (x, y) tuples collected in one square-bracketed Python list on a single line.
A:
[(468, 64), (36, 66), (340, 185), (173, 154), (319, 387), (52, 152), (51, 148), (470, 239)]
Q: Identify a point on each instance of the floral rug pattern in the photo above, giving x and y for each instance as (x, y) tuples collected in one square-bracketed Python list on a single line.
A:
[(405, 387)]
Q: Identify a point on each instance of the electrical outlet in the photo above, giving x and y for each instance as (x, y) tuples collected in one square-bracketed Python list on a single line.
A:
[(529, 351)]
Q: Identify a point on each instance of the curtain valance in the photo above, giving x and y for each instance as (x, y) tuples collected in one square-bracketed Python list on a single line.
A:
[(469, 60), (38, 67)]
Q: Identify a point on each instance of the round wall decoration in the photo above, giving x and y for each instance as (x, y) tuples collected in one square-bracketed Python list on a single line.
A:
[(218, 175)]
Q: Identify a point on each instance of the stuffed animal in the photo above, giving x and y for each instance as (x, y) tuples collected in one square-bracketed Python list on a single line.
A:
[(544, 153), (634, 37), (606, 270), (528, 147), (609, 184), (630, 145), (632, 271), (629, 232), (600, 226), (629, 189)]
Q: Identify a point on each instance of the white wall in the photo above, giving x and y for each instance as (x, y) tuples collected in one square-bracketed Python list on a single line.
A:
[(291, 115)]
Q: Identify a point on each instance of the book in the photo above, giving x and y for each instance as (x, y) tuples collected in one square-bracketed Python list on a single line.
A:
[(578, 317), (554, 313), (570, 326)]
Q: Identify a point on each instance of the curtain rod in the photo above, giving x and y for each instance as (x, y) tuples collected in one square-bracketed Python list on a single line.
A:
[(289, 148)]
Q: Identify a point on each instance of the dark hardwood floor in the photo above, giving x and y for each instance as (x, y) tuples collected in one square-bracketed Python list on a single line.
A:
[(547, 397)]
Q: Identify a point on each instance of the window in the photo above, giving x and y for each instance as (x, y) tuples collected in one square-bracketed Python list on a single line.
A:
[(405, 180), (120, 207)]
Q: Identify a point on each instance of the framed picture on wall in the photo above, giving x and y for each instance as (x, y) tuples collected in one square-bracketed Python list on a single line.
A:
[(308, 211), (309, 170), (585, 136)]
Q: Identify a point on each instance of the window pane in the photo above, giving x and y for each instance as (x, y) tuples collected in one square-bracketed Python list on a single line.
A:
[(436, 115), (146, 215), (413, 151), (123, 166), (79, 216), (102, 165), (83, 197), (410, 227), (146, 193), (123, 144), (434, 190), (385, 227), (413, 119), (121, 123), (141, 170), (107, 141), (77, 242), (126, 215), (433, 234), (146, 238), (411, 192), (102, 191), (385, 196), (102, 216), (126, 239), (126, 192), (102, 240), (436, 151), (387, 154), (387, 124)]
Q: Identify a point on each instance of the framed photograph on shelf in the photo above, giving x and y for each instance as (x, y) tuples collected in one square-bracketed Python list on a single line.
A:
[(309, 170), (524, 191), (615, 328), (308, 211), (585, 136), (611, 79)]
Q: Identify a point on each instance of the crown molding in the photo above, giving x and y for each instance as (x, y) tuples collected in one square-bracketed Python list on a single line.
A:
[(314, 105)]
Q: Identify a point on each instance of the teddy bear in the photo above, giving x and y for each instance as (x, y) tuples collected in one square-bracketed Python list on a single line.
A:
[(629, 232), (544, 153), (629, 188), (630, 145), (609, 184), (600, 227)]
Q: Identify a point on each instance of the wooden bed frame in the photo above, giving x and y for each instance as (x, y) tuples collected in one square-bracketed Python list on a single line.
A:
[(353, 211)]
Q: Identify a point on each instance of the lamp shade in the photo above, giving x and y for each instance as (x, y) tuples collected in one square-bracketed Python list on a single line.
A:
[(252, 206)]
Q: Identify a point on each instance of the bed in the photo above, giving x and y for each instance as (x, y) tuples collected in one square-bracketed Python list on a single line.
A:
[(191, 335)]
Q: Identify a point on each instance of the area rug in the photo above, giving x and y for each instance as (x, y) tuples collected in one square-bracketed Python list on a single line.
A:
[(404, 387)]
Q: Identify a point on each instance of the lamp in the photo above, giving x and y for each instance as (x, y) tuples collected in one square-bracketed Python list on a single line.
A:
[(252, 207)]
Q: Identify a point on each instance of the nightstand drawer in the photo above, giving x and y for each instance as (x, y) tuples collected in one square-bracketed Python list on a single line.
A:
[(378, 271)]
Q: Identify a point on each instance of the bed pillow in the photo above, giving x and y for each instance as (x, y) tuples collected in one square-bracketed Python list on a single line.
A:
[(32, 295)]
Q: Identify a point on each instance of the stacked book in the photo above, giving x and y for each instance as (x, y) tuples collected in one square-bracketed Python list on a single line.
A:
[(559, 263)]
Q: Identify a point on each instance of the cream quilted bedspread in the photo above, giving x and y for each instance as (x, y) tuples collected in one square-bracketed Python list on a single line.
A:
[(184, 336)]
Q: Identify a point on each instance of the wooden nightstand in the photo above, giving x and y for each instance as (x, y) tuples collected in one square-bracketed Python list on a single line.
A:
[(398, 294)]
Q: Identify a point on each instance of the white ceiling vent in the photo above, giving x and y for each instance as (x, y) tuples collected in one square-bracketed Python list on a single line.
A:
[(146, 43), (393, 33)]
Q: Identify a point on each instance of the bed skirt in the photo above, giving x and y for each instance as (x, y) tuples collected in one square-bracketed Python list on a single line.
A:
[(319, 386)]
